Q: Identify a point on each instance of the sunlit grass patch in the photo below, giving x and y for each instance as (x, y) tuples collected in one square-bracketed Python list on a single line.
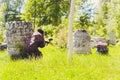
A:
[(55, 66)]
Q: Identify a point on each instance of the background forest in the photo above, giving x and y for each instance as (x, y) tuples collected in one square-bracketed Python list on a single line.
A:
[(97, 17)]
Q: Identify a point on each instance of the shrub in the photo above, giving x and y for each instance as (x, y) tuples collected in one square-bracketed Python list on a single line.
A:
[(61, 36), (49, 30), (2, 33)]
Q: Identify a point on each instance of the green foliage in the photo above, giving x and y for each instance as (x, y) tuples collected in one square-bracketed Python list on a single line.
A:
[(2, 34), (1, 38), (22, 54), (13, 10), (102, 12), (61, 37), (13, 17), (2, 14), (49, 13), (45, 12), (49, 30), (84, 20), (114, 16), (85, 14), (108, 18), (60, 34), (101, 32), (54, 66)]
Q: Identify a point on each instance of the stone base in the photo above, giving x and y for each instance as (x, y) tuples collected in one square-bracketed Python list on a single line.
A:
[(19, 56), (102, 48), (82, 51), (16, 34), (3, 46)]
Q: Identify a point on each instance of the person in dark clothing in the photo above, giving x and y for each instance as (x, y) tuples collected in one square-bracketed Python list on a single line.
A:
[(35, 41)]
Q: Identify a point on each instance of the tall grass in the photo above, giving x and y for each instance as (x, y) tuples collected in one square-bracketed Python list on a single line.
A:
[(55, 66)]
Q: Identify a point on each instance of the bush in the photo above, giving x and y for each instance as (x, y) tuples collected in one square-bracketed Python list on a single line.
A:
[(2, 33), (49, 30), (60, 36), (58, 33)]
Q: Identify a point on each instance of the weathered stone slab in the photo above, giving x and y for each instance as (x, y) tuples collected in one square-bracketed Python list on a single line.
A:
[(97, 40), (111, 38), (17, 32), (100, 39), (81, 42)]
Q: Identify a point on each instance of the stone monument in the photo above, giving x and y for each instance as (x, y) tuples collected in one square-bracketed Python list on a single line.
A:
[(97, 40), (81, 42), (17, 32), (111, 38)]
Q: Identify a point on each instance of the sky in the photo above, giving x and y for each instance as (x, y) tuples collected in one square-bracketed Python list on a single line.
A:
[(95, 2), (94, 5), (89, 9)]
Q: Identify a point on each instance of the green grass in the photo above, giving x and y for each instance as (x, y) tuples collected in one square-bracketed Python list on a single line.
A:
[(55, 66)]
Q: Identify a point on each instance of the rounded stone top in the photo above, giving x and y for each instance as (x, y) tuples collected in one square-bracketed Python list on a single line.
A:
[(81, 33), (17, 24)]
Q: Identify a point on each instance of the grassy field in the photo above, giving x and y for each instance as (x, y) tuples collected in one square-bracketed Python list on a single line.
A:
[(55, 66)]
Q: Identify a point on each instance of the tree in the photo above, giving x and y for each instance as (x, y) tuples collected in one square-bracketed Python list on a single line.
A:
[(101, 18), (45, 12), (3, 7), (13, 10), (86, 13), (113, 22)]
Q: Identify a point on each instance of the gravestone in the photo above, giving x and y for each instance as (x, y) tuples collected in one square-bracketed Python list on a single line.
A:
[(17, 32), (97, 40), (111, 38), (102, 48), (81, 42), (100, 39)]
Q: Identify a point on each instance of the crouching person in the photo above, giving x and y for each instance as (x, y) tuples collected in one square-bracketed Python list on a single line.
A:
[(32, 44)]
